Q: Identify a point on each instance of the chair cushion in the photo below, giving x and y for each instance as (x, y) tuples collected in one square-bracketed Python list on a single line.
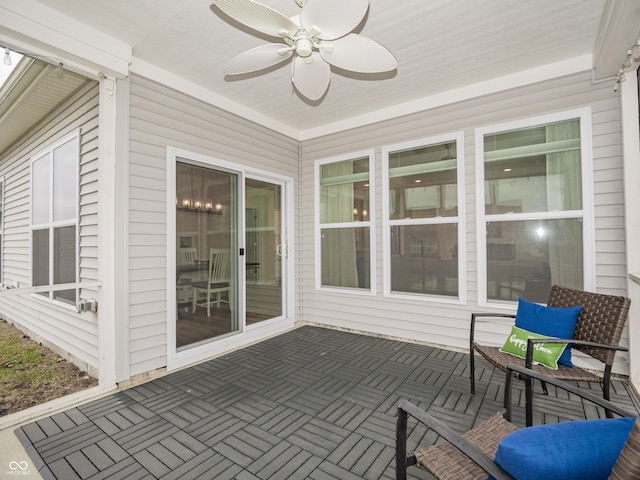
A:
[(549, 321), (628, 465), (546, 354), (585, 449)]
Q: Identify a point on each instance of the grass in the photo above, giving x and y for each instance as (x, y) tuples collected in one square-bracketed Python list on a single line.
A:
[(31, 374)]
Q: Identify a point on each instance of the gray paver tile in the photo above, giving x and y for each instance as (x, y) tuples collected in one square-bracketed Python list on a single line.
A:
[(65, 421), (310, 402), (212, 430), (81, 464), (345, 414), (282, 421), (33, 432), (61, 469), (184, 445), (112, 449), (144, 434), (127, 469), (98, 457), (153, 464), (244, 475), (75, 439), (329, 471), (49, 427)]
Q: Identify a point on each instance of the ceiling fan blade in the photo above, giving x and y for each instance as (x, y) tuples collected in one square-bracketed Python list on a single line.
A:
[(358, 54), (257, 58), (334, 18), (311, 79), (257, 16)]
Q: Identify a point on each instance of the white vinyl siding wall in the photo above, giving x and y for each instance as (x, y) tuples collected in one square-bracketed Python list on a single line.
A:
[(448, 325), (161, 117), (72, 335)]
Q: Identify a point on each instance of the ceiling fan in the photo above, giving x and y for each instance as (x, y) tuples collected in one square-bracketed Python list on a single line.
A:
[(316, 38)]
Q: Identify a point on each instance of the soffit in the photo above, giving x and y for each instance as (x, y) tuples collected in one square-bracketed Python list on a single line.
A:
[(32, 91)]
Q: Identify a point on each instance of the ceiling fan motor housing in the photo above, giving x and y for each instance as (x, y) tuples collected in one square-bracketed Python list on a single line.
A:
[(304, 47)]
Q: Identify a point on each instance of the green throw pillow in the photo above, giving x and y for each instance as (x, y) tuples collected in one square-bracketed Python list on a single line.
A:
[(546, 354)]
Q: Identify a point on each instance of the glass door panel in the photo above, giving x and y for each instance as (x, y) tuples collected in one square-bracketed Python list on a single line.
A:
[(264, 250), (206, 257)]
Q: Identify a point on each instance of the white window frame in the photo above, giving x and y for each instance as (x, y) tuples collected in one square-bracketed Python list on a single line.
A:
[(587, 212), (458, 138), (371, 291), (51, 225)]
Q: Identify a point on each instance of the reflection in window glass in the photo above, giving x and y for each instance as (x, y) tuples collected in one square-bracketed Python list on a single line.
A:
[(65, 160), (424, 259), (423, 182), (423, 222), (534, 170), (345, 254), (528, 172), (206, 231), (40, 188), (40, 260), (264, 250), (524, 258), (344, 192), (64, 261)]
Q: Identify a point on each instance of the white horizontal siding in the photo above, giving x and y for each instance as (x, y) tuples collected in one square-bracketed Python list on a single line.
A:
[(161, 117), (448, 325), (72, 335)]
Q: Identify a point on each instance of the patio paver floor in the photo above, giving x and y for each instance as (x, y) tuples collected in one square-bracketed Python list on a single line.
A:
[(311, 403)]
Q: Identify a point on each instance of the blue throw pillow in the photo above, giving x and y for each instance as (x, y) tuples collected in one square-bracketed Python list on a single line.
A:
[(584, 450), (549, 321)]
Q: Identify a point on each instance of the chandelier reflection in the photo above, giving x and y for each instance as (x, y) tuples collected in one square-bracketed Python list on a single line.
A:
[(198, 198)]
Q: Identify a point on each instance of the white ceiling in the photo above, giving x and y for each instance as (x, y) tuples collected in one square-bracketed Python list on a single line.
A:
[(440, 45)]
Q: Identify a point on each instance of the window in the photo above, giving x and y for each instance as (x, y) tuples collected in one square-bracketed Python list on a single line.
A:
[(54, 218), (533, 221), (423, 211), (344, 222)]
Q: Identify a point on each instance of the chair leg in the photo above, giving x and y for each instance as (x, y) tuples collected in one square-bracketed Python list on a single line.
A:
[(401, 445), (606, 388), (208, 304), (193, 301), (528, 387), (472, 372), (545, 391)]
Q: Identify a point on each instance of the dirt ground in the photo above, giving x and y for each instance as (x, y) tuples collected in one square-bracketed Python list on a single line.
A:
[(31, 374)]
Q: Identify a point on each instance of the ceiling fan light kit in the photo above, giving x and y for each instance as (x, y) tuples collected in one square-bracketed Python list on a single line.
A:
[(320, 36)]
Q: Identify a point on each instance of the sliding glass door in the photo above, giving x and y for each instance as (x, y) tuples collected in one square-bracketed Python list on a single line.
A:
[(206, 254), (265, 250), (230, 254)]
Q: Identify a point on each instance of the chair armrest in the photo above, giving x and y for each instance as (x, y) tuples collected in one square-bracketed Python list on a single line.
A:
[(579, 342), (582, 393), (490, 315), (532, 341), (406, 408)]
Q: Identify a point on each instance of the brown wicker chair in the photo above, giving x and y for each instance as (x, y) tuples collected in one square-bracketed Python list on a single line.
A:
[(470, 455), (597, 334)]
